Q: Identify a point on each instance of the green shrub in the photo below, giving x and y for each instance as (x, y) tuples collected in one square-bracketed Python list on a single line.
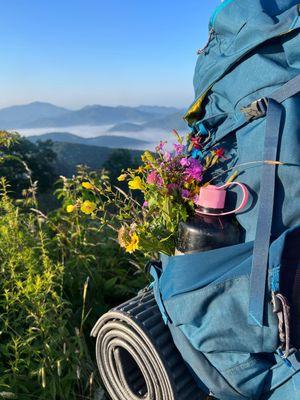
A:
[(89, 248), (41, 354), (58, 274)]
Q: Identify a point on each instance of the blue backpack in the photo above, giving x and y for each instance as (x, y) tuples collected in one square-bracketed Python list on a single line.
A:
[(234, 313)]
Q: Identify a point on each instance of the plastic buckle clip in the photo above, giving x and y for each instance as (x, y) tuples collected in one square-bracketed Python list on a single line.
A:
[(256, 110)]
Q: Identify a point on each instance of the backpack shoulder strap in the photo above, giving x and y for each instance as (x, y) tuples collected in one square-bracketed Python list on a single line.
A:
[(259, 270)]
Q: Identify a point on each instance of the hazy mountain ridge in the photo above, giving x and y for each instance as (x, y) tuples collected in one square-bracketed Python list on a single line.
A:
[(106, 140), (160, 110), (127, 119), (168, 122), (94, 115), (136, 123), (21, 115)]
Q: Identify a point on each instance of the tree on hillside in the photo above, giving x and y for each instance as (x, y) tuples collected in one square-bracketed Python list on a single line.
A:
[(39, 158), (118, 160)]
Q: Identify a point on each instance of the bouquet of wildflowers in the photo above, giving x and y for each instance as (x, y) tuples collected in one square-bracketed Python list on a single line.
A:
[(168, 183)]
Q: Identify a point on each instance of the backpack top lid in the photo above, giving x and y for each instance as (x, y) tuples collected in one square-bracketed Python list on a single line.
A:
[(230, 14), (237, 27)]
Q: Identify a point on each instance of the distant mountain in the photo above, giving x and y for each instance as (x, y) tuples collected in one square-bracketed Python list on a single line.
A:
[(123, 119), (107, 140), (57, 137), (126, 127), (24, 115), (168, 122), (160, 110), (122, 142), (69, 155), (93, 115)]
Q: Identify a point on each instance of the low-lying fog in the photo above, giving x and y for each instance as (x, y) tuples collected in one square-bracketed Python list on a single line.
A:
[(152, 136)]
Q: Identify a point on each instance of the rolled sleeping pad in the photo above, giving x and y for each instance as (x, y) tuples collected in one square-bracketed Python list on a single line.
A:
[(136, 356)]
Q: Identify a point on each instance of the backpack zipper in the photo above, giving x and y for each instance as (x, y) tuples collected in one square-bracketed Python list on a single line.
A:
[(212, 22), (210, 35), (219, 8)]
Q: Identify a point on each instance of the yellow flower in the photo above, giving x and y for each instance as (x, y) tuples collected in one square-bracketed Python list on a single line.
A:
[(147, 156), (122, 177), (133, 245), (87, 185), (70, 208), (143, 157), (88, 207), (136, 184)]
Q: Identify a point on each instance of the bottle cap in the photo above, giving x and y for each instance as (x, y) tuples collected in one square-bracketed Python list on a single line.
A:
[(212, 197)]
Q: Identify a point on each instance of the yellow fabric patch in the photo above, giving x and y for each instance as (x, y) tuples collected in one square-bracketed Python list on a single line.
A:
[(195, 108)]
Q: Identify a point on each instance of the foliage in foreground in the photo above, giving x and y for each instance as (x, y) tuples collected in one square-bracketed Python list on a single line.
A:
[(166, 189), (40, 353), (59, 273)]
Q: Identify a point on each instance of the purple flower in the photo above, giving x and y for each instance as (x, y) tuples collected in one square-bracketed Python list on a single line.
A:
[(185, 194), (179, 148), (154, 179), (145, 204), (160, 147), (194, 170)]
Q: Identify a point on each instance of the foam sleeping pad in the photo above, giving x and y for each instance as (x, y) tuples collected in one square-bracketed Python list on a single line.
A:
[(136, 356)]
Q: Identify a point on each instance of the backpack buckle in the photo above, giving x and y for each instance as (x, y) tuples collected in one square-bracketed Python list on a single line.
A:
[(256, 110), (281, 307)]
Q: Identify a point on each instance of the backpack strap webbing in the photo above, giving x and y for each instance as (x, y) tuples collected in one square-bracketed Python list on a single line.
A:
[(259, 270)]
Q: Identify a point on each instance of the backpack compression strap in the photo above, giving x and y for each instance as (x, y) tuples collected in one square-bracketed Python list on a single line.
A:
[(259, 270)]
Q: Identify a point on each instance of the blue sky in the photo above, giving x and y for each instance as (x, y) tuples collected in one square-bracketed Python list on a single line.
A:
[(78, 52)]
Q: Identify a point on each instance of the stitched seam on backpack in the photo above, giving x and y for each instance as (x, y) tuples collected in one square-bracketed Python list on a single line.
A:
[(212, 286), (241, 366)]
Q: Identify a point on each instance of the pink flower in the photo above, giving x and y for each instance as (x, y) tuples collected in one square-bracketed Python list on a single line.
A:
[(154, 179), (184, 162), (179, 148), (185, 194), (167, 156), (196, 200), (145, 204)]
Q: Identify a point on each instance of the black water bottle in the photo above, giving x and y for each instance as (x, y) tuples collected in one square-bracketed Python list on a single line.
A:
[(211, 227)]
